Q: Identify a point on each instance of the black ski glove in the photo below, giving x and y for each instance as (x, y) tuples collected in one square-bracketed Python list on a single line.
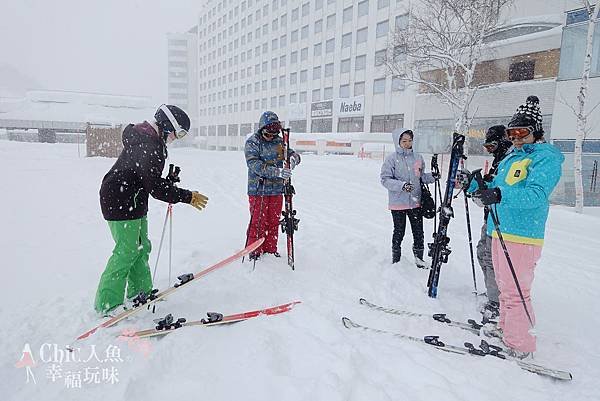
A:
[(487, 196), (463, 179), (408, 187)]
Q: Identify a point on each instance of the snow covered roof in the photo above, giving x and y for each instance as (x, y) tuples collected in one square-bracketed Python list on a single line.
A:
[(81, 107)]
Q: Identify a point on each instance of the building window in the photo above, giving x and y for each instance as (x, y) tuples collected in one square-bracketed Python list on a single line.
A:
[(382, 28), (304, 54), (347, 15), (330, 45), (293, 78), (379, 86), (295, 14), (318, 49), (294, 57), (359, 88), (402, 22), (379, 57), (316, 72), (387, 123), (273, 101), (305, 9), (347, 40), (328, 93), (329, 70), (283, 20), (283, 41), (331, 21), (363, 8), (318, 26), (345, 65), (302, 97), (282, 81), (399, 54), (281, 100), (316, 95), (351, 124), (282, 61), (275, 44), (293, 98), (360, 62), (294, 36), (382, 4), (361, 35), (318, 4), (398, 84), (274, 83), (303, 76), (304, 32), (521, 71), (322, 125), (344, 91), (298, 126)]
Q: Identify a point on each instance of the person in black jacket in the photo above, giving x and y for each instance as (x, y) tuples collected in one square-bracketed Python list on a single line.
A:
[(124, 202)]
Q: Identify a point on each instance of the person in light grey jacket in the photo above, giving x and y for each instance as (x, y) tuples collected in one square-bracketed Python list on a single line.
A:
[(401, 174)]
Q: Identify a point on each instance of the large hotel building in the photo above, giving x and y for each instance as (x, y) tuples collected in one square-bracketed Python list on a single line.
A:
[(318, 65)]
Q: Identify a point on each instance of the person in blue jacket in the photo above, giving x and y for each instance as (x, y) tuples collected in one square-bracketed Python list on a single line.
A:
[(266, 177), (519, 197), (401, 174)]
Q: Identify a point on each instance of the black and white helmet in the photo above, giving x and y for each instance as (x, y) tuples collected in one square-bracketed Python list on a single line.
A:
[(171, 119)]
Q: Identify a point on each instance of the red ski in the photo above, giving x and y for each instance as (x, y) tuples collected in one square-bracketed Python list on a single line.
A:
[(168, 324), (157, 296), (289, 222)]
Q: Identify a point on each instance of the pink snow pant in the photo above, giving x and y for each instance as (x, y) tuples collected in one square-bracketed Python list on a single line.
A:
[(513, 319)]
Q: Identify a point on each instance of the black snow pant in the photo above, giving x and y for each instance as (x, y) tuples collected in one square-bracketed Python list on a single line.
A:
[(415, 217)]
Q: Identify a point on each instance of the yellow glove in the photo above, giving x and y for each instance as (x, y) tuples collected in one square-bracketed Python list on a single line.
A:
[(199, 201)]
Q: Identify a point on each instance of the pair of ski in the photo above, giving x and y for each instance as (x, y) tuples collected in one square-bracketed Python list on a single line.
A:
[(169, 324), (468, 348), (149, 300)]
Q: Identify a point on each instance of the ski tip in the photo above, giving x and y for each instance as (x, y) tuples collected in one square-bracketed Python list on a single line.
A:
[(346, 322), (362, 301)]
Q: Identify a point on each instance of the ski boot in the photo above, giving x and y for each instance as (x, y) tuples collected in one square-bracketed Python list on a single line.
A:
[(490, 311)]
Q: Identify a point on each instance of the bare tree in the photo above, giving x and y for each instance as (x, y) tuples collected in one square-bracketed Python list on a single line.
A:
[(441, 48), (580, 109)]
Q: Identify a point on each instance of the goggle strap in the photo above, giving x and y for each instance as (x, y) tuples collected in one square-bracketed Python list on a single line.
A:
[(172, 120)]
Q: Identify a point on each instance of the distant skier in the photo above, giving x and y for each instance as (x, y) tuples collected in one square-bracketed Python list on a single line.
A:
[(124, 201), (401, 174), (519, 196), (264, 158), (497, 144)]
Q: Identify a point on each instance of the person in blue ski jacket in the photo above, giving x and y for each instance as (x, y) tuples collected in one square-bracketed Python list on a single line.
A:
[(519, 198), (401, 175), (266, 176)]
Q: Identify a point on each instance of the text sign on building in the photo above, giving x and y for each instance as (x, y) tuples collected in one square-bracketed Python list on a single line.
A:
[(321, 109), (353, 106)]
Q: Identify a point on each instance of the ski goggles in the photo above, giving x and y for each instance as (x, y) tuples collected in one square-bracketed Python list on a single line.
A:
[(518, 132), (491, 146), (179, 132), (272, 130)]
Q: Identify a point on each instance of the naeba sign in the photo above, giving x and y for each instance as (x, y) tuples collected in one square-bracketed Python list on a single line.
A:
[(354, 106)]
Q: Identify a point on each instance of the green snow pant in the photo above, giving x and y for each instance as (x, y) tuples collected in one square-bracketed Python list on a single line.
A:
[(128, 266)]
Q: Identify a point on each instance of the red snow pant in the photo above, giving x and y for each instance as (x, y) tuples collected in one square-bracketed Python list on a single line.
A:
[(513, 319), (265, 212)]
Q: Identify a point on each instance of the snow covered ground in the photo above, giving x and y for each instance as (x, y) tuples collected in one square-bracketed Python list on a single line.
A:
[(54, 245)]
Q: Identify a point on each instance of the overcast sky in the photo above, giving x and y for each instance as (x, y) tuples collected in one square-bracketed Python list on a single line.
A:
[(107, 46)]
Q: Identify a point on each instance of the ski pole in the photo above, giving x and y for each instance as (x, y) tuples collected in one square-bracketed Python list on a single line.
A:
[(482, 185), (468, 215), (162, 237)]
